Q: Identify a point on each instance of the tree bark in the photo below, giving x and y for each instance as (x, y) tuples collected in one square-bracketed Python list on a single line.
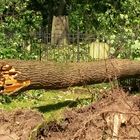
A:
[(50, 75), (60, 29)]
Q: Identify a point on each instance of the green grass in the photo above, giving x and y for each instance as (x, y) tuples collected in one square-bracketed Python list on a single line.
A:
[(51, 103)]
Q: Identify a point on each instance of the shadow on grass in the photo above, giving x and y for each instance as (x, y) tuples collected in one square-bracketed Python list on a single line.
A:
[(59, 105)]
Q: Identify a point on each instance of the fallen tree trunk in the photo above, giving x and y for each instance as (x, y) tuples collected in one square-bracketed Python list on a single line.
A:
[(48, 75)]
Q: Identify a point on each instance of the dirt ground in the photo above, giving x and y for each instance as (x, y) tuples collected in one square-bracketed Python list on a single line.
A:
[(115, 117), (17, 125)]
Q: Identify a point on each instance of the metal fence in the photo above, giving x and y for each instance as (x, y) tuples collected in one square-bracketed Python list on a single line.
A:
[(73, 47), (78, 47), (64, 47)]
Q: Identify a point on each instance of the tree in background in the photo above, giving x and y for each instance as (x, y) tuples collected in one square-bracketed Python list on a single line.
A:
[(54, 14), (18, 26)]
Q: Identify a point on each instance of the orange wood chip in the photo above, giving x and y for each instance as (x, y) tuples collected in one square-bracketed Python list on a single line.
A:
[(15, 87), (7, 81)]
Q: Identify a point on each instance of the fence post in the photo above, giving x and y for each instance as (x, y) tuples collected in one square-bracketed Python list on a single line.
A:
[(78, 45), (47, 47)]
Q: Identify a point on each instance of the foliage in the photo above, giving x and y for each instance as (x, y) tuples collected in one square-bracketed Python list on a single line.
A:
[(18, 26), (117, 22)]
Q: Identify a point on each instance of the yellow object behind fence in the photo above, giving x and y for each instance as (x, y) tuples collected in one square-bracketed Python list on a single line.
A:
[(99, 50)]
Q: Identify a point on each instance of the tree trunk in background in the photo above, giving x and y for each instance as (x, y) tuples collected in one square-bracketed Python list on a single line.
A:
[(60, 25), (49, 75), (59, 34)]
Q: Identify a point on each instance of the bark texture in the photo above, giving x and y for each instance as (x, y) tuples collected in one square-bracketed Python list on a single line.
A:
[(50, 75)]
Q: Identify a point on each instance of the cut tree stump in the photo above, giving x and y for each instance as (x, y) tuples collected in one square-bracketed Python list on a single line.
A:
[(22, 75)]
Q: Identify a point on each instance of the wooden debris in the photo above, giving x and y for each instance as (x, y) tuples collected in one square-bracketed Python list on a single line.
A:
[(8, 83)]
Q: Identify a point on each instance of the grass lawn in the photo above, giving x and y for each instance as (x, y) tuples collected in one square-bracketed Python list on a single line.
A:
[(51, 103)]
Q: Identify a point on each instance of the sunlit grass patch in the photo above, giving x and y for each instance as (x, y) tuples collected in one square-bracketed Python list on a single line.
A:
[(51, 103)]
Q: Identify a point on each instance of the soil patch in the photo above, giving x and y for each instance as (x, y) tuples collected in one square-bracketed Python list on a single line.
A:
[(115, 117), (18, 124)]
